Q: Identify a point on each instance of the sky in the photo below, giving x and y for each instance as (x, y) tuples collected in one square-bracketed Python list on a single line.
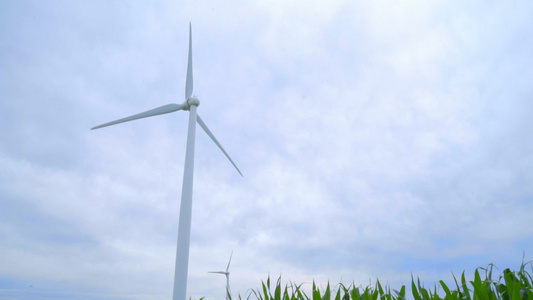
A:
[(378, 139)]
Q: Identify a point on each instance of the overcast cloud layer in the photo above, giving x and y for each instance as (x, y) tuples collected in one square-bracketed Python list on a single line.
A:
[(376, 138)]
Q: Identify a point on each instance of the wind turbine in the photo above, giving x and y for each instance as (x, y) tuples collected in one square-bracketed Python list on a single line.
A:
[(227, 276), (184, 227)]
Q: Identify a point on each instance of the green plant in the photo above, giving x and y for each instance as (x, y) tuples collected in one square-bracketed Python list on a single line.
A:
[(511, 285)]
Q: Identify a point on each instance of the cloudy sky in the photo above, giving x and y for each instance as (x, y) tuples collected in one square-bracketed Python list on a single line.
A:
[(377, 139)]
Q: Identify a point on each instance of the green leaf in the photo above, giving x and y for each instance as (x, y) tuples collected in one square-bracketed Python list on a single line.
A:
[(529, 294), (277, 292), (379, 288), (375, 295), (355, 294), (316, 293), (327, 294), (480, 287), (416, 295), (265, 291), (425, 294), (466, 292), (402, 291), (445, 288)]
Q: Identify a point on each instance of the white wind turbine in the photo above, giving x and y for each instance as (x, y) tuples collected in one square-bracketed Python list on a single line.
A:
[(227, 276), (184, 227)]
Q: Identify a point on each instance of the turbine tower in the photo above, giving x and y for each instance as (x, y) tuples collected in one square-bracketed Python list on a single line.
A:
[(184, 227), (228, 295)]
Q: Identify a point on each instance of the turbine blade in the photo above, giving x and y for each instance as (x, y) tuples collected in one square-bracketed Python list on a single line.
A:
[(189, 83), (165, 109), (227, 268), (218, 272), (204, 127)]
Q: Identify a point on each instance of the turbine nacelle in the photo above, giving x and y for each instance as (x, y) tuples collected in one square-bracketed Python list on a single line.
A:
[(191, 101)]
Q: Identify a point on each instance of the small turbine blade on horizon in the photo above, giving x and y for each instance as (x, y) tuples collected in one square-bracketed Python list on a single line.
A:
[(165, 109), (229, 262), (210, 134)]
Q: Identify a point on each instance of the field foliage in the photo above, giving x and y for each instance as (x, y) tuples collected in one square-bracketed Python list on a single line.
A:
[(509, 285)]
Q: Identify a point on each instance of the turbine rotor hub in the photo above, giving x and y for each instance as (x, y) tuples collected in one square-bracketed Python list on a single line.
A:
[(193, 101)]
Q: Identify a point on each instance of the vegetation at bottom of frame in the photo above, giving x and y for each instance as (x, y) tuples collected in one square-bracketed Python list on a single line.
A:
[(510, 285)]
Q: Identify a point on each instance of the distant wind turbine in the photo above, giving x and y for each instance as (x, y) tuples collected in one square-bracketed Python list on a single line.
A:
[(227, 276), (184, 227)]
